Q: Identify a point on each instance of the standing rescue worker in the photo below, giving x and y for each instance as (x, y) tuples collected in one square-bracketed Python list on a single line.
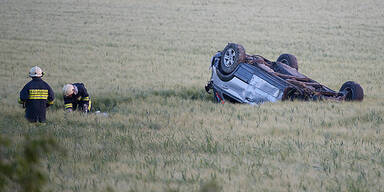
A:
[(36, 96), (76, 96)]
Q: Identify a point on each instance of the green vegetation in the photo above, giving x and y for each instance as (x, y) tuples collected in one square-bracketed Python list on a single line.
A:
[(23, 172), (146, 64)]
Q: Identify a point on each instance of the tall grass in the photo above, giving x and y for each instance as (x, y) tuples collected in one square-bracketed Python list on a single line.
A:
[(145, 63)]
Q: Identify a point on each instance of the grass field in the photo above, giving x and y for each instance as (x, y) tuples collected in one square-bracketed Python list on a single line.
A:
[(146, 63)]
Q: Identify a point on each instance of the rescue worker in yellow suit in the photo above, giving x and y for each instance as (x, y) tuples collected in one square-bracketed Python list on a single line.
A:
[(76, 96), (36, 96)]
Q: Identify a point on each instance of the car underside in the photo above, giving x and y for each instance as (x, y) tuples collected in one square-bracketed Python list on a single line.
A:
[(239, 77)]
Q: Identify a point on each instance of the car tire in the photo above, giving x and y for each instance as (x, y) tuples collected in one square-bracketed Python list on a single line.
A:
[(353, 91), (289, 60), (232, 55)]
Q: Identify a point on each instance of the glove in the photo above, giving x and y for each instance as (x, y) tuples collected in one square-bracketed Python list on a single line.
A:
[(85, 108), (21, 103)]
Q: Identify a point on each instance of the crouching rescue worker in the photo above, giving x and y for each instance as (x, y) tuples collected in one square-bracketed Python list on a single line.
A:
[(76, 96), (36, 96)]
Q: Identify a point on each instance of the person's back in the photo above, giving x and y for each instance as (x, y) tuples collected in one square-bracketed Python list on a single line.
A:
[(36, 96), (76, 96)]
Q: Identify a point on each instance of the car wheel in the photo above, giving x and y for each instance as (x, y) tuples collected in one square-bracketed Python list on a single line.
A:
[(289, 60), (232, 55), (353, 91)]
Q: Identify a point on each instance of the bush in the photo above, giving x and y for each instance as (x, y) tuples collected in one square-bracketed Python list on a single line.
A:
[(22, 170)]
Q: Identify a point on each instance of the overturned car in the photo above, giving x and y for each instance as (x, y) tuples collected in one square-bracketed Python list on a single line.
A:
[(253, 79)]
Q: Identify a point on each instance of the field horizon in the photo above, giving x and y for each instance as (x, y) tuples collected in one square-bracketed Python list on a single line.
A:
[(145, 63)]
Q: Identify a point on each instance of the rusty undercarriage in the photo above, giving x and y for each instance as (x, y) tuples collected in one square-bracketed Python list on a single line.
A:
[(239, 77)]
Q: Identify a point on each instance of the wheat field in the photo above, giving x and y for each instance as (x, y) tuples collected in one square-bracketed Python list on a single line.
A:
[(146, 62)]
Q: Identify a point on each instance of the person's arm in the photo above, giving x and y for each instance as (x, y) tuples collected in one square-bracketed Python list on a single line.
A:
[(23, 96), (51, 96), (85, 96), (85, 100), (68, 107)]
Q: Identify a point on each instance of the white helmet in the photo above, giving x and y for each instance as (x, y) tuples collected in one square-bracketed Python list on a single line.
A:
[(68, 90), (36, 72)]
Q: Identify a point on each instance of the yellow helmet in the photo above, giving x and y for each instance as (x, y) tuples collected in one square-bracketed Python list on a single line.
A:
[(68, 90), (36, 72)]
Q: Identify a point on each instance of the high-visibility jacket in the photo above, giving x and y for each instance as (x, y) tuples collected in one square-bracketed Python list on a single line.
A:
[(36, 95), (79, 99)]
